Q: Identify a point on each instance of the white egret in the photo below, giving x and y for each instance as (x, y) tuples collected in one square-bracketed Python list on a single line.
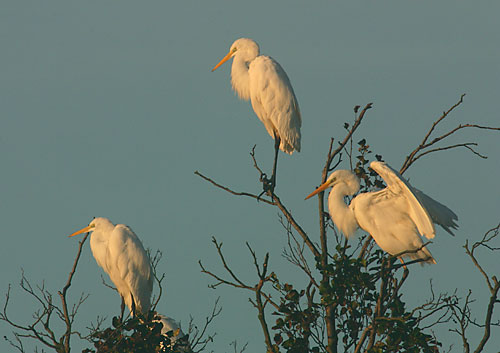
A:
[(262, 80), (120, 253), (394, 216), (170, 324)]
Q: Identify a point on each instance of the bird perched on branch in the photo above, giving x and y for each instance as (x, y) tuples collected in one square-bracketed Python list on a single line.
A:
[(395, 217), (120, 253), (262, 80)]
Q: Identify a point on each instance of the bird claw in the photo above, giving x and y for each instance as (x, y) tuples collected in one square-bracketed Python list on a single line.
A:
[(267, 186)]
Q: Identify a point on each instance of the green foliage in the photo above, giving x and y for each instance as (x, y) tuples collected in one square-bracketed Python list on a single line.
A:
[(362, 286), (369, 179), (353, 300), (293, 327), (364, 292), (138, 334)]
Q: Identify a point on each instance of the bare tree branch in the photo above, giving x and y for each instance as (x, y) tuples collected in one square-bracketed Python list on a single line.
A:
[(235, 345), (295, 254), (231, 191), (277, 202), (356, 318), (415, 155), (237, 283), (466, 145), (330, 313), (40, 329), (263, 278), (492, 282), (198, 341)]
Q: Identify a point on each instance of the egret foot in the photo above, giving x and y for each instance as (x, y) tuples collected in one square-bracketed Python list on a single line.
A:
[(267, 186)]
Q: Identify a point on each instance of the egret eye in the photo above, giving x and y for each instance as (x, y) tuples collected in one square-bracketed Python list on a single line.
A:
[(130, 269), (278, 108)]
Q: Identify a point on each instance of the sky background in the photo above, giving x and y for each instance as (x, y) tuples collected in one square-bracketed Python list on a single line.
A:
[(108, 107)]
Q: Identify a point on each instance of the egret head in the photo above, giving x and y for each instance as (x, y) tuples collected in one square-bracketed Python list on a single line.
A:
[(246, 45), (96, 222), (342, 176), (243, 46)]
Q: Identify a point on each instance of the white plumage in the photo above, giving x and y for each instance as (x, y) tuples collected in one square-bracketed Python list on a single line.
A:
[(262, 80), (120, 253), (170, 324), (395, 216)]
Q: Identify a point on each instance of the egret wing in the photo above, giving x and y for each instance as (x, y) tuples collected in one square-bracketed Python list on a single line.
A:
[(439, 213), (133, 264), (274, 101), (398, 185), (385, 215)]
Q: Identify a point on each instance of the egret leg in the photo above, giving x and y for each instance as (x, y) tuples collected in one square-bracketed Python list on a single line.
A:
[(277, 142), (122, 309), (133, 304), (269, 184)]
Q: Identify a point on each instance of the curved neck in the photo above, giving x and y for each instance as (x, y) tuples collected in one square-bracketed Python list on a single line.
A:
[(99, 243), (342, 215), (240, 79)]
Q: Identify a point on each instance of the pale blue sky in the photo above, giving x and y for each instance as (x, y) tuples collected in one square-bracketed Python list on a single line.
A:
[(107, 108)]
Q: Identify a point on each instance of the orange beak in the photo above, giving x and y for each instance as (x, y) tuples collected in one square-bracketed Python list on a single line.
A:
[(84, 230), (319, 189), (224, 59)]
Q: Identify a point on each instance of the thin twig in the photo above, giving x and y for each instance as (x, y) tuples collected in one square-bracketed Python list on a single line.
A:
[(42, 317), (323, 256), (277, 202), (231, 191), (466, 145), (197, 339), (415, 155), (238, 283), (62, 295)]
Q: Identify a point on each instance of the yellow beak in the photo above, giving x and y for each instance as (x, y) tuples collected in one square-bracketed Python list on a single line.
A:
[(224, 59), (84, 230), (319, 189)]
